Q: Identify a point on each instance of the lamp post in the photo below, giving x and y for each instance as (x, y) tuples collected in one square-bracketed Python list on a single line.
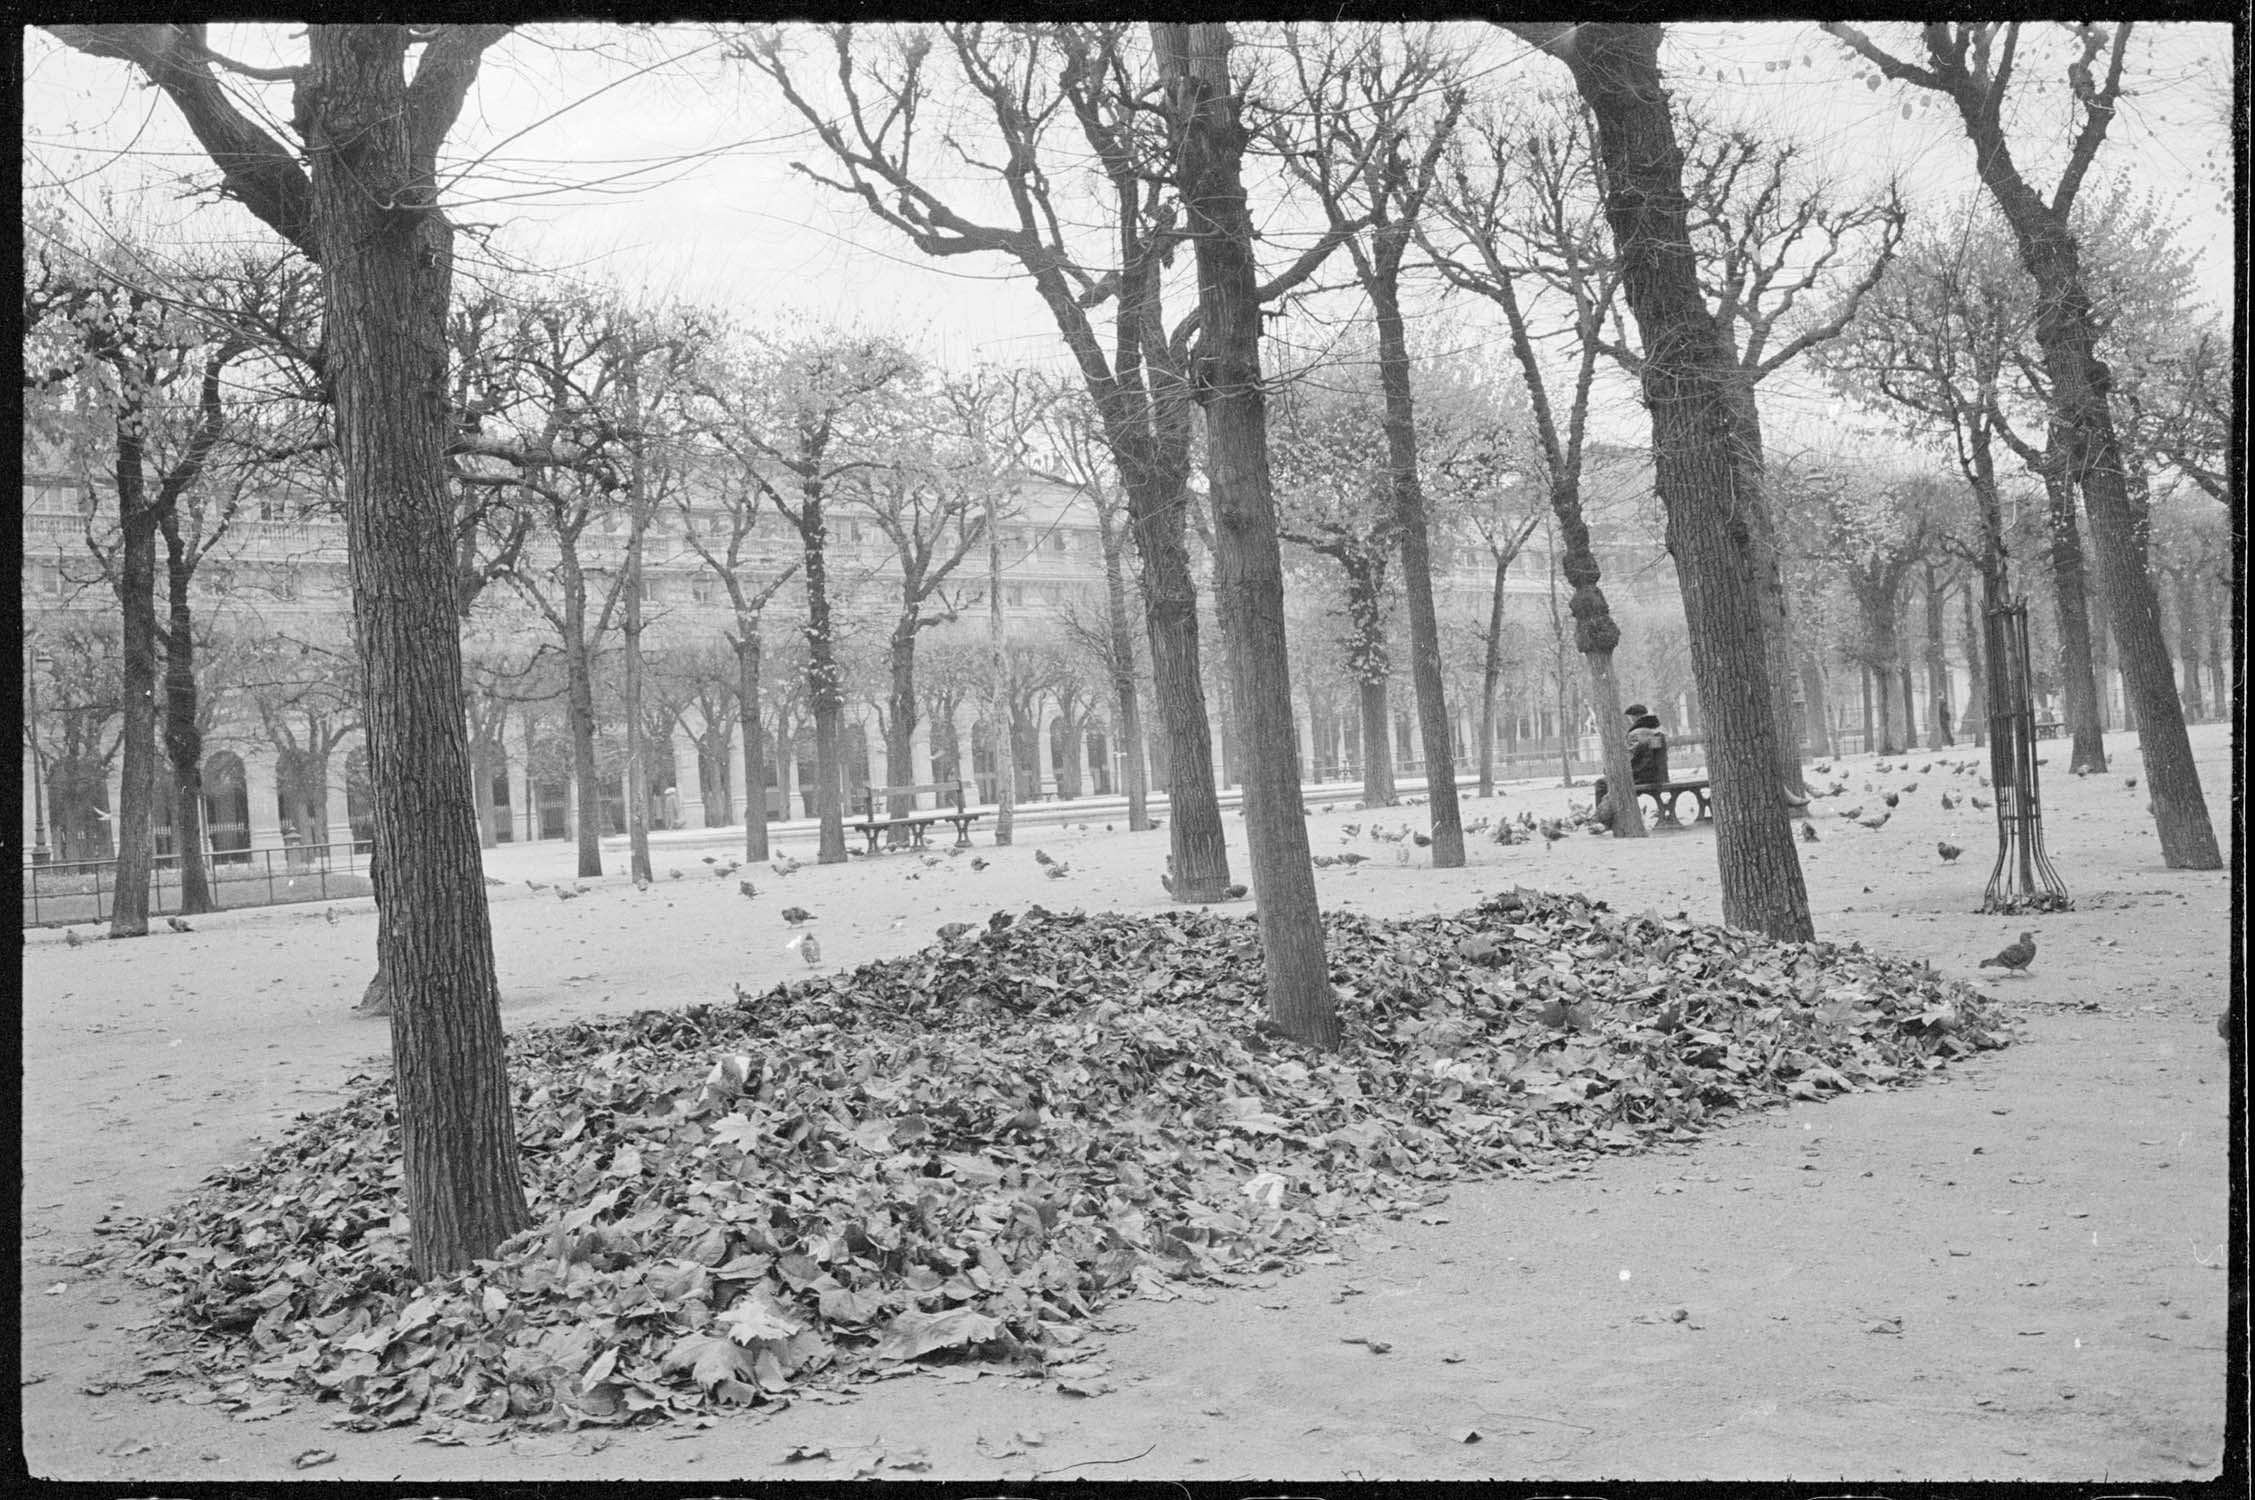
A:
[(40, 853)]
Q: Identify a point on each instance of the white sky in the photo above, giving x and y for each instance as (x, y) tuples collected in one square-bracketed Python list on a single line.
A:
[(679, 177)]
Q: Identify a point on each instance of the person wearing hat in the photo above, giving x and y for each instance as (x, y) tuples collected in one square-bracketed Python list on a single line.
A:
[(1648, 759)]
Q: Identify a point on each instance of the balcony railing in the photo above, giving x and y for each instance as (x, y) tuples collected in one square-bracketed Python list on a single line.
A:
[(71, 891)]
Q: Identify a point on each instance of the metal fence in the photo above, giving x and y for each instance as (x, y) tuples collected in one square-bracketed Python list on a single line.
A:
[(69, 891)]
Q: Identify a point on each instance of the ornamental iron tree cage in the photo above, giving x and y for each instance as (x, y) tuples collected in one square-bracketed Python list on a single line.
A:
[(2022, 879)]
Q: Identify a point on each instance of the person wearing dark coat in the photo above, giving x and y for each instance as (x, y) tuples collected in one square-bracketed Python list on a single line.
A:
[(1648, 759)]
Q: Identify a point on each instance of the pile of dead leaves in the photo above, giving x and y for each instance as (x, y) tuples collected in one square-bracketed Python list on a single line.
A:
[(963, 1152)]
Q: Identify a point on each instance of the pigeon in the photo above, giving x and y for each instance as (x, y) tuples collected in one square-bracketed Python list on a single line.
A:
[(783, 864), (1422, 840), (1350, 860), (1551, 830), (72, 939), (1948, 802), (797, 916), (1042, 859), (564, 895), (1922, 770), (746, 889), (2131, 782), (811, 951), (1891, 799), (1166, 876), (1853, 813), (535, 885), (2015, 958), (673, 874), (1979, 803), (1875, 824), (950, 931), (640, 884), (723, 870), (177, 925), (978, 863), (1055, 869), (712, 859), (1910, 787), (1948, 851), (329, 913), (1808, 833)]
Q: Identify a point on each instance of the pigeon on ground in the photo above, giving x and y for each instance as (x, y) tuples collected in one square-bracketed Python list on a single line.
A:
[(978, 863), (1350, 860), (535, 885), (177, 925), (783, 864), (1042, 859), (811, 951), (1055, 869), (797, 916), (72, 939), (1875, 824), (1979, 803), (1891, 799), (746, 889), (1552, 831), (2015, 958), (564, 895), (723, 870), (1948, 802), (1166, 876), (1808, 833), (1948, 851), (712, 859), (2131, 782), (1422, 840), (329, 913), (1853, 813), (1910, 787), (673, 874)]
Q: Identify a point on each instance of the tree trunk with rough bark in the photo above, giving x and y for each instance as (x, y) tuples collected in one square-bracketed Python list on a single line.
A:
[(1194, 66), (1400, 423), (1687, 386), (2066, 331), (183, 740), (1126, 702), (1595, 637), (2078, 683), (387, 257), (747, 644), (1937, 663), (137, 682), (1819, 713)]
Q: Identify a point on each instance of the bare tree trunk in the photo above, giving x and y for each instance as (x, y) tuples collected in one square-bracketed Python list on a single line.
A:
[(386, 265), (1937, 664), (579, 713), (136, 594), (825, 689), (2066, 332), (2077, 672), (1687, 379), (1976, 721), (637, 773), (1194, 65), (1126, 701), (747, 645), (1595, 636), (1491, 677), (1819, 710), (183, 740), (1400, 423), (1000, 726)]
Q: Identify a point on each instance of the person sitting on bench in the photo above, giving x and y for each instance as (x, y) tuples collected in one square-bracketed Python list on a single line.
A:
[(1648, 759)]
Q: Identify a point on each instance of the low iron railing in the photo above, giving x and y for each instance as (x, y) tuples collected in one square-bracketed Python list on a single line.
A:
[(85, 890)]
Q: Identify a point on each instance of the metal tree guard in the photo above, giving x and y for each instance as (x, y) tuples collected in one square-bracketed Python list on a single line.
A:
[(2023, 879)]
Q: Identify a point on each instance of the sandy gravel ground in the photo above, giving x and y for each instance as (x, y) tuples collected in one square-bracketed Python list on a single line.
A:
[(2015, 1273)]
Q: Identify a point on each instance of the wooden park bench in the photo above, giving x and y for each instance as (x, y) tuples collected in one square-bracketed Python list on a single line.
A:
[(1666, 794), (876, 818), (2049, 729)]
